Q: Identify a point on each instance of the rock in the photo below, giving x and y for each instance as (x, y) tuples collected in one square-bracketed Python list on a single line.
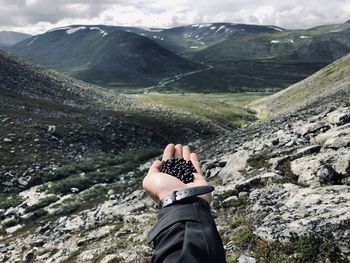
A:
[(314, 127), (28, 257), (288, 208), (74, 190), (95, 234), (306, 168), (75, 224), (307, 150), (234, 166), (245, 259), (13, 229), (230, 200), (110, 259), (3, 248), (12, 211), (51, 128), (275, 141), (339, 117)]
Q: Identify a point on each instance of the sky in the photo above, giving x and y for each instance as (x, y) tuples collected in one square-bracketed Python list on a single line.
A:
[(38, 16)]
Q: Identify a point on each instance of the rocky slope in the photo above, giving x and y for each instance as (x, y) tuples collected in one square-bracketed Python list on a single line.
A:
[(48, 120), (282, 195)]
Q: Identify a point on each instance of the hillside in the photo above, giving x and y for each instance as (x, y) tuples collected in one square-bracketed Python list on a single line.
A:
[(48, 120), (282, 185), (9, 38), (329, 86), (103, 55), (193, 38), (266, 61), (68, 194)]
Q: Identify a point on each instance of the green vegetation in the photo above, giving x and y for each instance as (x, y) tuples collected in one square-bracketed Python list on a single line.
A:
[(98, 169), (226, 110), (42, 203), (7, 201), (296, 249), (10, 223), (259, 161)]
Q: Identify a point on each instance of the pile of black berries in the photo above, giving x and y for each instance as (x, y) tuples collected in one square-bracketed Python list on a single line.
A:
[(180, 168)]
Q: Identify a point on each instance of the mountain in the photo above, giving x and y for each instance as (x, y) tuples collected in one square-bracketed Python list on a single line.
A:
[(9, 38), (330, 86), (266, 61), (215, 57), (48, 120), (192, 38), (107, 56), (71, 191)]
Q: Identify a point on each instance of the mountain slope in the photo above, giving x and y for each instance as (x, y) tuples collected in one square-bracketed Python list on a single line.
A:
[(267, 61), (329, 86), (103, 55), (9, 38), (192, 38), (48, 119)]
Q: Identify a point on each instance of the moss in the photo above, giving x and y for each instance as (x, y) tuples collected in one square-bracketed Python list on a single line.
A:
[(10, 223), (7, 201), (238, 222), (259, 161), (232, 258), (42, 203)]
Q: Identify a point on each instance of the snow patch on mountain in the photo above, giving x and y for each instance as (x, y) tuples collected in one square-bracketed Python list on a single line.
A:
[(276, 28), (275, 41), (59, 28), (303, 37), (32, 41), (205, 25), (221, 28), (75, 29), (153, 29), (103, 33)]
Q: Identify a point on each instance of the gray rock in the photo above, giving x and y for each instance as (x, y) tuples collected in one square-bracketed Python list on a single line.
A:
[(234, 166), (285, 209), (28, 257), (338, 117), (110, 258), (246, 259), (314, 127)]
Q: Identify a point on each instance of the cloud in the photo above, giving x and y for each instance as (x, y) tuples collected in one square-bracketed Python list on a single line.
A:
[(40, 15)]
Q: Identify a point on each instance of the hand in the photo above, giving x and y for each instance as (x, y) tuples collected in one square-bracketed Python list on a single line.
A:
[(160, 185)]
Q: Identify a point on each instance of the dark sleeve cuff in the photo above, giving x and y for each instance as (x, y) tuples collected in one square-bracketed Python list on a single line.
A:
[(181, 211)]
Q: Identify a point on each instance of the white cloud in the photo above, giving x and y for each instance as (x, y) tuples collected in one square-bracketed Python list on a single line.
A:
[(36, 16)]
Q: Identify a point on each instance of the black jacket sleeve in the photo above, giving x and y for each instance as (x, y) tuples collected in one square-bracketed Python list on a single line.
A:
[(186, 232)]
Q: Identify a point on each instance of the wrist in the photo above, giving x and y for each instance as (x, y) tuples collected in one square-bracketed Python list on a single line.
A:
[(202, 192)]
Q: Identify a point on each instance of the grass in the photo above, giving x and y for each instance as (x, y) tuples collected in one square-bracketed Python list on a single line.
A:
[(259, 161), (42, 203), (225, 110), (9, 200)]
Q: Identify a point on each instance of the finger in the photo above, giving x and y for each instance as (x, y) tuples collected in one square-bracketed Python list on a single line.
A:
[(168, 152), (178, 151), (186, 152), (155, 167), (196, 164)]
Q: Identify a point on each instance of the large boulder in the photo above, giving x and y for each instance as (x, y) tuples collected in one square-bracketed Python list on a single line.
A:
[(284, 209)]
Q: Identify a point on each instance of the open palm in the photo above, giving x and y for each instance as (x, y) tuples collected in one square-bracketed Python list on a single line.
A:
[(160, 185)]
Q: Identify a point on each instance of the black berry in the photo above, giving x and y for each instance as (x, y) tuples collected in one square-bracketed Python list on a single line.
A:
[(180, 168)]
